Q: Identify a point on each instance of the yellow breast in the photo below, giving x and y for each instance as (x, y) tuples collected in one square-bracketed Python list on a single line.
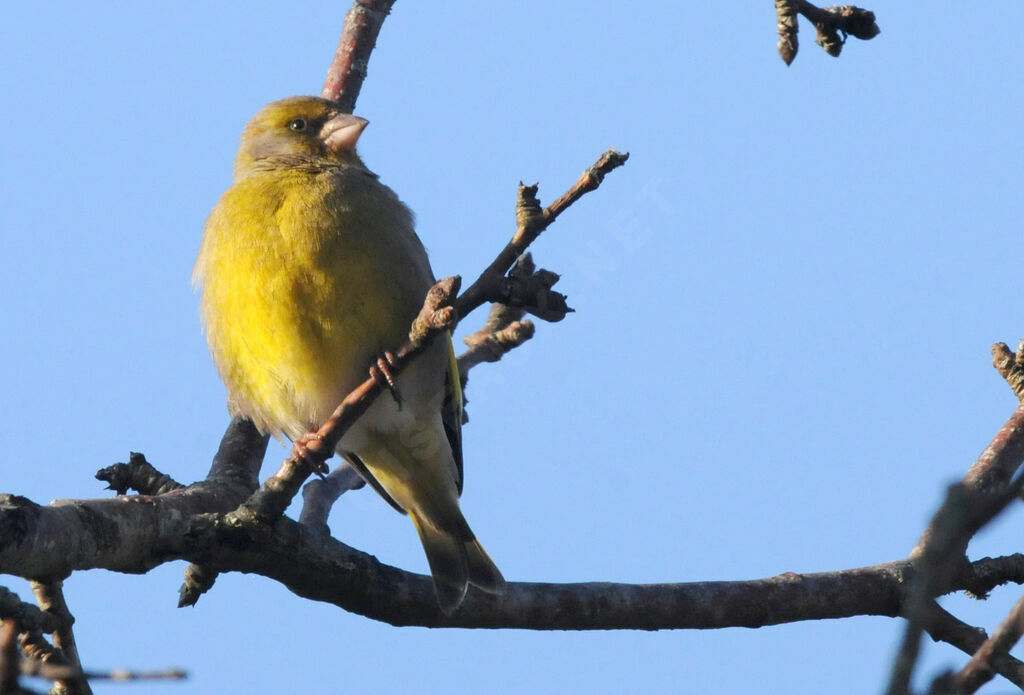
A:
[(306, 276)]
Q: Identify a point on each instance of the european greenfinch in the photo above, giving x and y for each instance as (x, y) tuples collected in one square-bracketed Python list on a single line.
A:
[(309, 271)]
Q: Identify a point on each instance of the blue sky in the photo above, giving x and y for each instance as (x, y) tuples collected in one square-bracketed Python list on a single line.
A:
[(780, 356)]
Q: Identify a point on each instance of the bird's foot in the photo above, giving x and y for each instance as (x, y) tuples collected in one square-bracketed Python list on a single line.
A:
[(381, 373), (306, 449)]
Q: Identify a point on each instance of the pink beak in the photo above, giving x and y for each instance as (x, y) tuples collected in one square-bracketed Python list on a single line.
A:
[(342, 132)]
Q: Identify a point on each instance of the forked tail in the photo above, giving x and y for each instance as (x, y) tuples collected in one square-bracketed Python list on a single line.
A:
[(456, 560)]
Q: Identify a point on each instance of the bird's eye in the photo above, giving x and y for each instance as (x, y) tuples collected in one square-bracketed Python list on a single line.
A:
[(298, 125)]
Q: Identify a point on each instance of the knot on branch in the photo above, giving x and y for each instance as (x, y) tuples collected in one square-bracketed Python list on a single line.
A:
[(1011, 366), (198, 580), (785, 10), (828, 38), (437, 313), (855, 21), (986, 574), (846, 20), (529, 214), (832, 24), (138, 475), (530, 290), (29, 617), (18, 516)]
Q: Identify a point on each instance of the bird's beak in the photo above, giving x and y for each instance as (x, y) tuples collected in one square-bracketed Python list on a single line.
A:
[(342, 132)]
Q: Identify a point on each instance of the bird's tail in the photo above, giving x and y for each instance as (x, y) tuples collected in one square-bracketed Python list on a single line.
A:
[(456, 560)]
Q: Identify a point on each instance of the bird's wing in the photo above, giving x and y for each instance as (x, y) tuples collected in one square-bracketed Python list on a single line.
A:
[(366, 475), (451, 411)]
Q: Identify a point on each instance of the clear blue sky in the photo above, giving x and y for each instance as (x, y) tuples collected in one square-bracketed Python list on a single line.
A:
[(780, 357)]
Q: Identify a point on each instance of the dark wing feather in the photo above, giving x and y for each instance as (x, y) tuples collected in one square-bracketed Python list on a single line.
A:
[(363, 471), (451, 411)]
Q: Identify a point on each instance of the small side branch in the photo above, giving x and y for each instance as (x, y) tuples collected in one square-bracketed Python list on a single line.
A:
[(138, 475), (982, 666), (1010, 366), (991, 483), (531, 220), (28, 616), (943, 626), (50, 596), (832, 25), (319, 495), (441, 312), (198, 580)]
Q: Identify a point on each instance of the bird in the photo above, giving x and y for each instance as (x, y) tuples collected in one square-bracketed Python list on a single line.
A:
[(308, 271)]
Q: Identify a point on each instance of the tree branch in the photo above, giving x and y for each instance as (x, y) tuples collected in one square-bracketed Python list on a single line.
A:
[(319, 495), (358, 37), (50, 596), (315, 566), (441, 312), (982, 666), (942, 626), (138, 475), (829, 23)]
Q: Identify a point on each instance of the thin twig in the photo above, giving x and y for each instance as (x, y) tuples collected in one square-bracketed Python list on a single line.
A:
[(530, 222), (987, 488), (942, 626), (441, 312), (57, 672), (503, 332), (979, 670), (50, 596)]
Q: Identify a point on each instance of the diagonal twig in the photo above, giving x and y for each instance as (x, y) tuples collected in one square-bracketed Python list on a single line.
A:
[(50, 596), (990, 484), (981, 668), (441, 312)]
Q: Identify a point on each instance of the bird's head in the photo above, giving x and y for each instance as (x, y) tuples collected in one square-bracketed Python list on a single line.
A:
[(299, 130)]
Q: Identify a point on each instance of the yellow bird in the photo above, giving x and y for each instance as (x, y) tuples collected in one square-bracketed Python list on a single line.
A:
[(310, 270)]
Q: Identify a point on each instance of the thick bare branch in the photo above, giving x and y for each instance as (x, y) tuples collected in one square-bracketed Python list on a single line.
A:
[(358, 37), (125, 533), (318, 567)]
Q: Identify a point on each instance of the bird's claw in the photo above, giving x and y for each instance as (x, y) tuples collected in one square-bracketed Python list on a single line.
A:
[(302, 450), (381, 373)]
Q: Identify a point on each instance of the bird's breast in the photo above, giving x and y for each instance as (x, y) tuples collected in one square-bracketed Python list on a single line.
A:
[(306, 284)]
